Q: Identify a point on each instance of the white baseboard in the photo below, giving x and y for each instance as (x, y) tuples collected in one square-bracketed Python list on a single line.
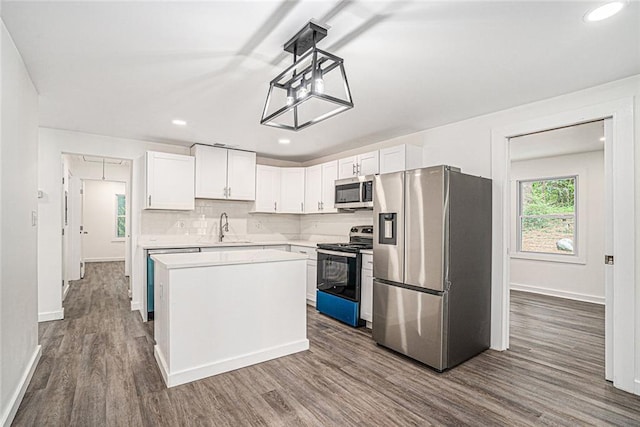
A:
[(637, 387), (51, 315), (18, 394), (65, 290), (558, 293), (221, 366), (107, 259), (135, 305), (311, 303)]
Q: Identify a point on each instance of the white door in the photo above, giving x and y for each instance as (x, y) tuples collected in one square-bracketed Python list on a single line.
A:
[(267, 188), (608, 250), (170, 181), (392, 159), (368, 163), (74, 258), (329, 176), (241, 175), (313, 189), (211, 172), (292, 190), (347, 167)]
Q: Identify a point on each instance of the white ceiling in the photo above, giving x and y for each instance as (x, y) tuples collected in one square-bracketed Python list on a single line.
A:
[(581, 138), (127, 69)]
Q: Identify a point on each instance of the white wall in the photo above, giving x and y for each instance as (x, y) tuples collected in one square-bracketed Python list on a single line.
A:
[(19, 349), (569, 280), (52, 144), (99, 221)]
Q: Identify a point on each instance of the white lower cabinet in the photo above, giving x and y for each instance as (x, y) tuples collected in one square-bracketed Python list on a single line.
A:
[(312, 270), (312, 281), (366, 289)]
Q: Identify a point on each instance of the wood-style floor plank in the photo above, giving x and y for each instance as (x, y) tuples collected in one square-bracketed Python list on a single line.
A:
[(98, 368)]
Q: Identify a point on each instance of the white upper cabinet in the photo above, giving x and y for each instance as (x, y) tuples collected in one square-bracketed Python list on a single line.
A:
[(347, 167), (329, 176), (267, 188), (241, 175), (211, 172), (313, 189), (291, 190), (320, 188), (224, 174), (368, 163), (362, 164), (170, 181), (400, 158)]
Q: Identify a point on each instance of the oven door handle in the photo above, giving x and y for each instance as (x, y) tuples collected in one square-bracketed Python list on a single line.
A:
[(336, 253)]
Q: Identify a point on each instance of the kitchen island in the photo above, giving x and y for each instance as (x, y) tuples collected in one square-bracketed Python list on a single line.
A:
[(220, 311)]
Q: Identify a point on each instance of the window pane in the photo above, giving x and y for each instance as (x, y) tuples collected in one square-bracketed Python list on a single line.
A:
[(121, 204), (548, 197), (549, 235), (121, 229)]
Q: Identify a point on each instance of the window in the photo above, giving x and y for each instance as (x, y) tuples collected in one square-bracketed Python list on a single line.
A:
[(121, 210), (547, 219)]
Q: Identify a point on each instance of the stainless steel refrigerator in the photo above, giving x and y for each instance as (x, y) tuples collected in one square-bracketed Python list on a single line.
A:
[(432, 264)]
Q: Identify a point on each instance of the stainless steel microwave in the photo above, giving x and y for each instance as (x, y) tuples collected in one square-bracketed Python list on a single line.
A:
[(354, 193)]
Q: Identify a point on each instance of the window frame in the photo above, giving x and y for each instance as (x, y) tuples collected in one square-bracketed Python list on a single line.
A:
[(117, 238), (580, 215)]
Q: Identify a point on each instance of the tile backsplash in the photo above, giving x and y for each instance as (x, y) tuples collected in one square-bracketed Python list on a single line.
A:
[(203, 222)]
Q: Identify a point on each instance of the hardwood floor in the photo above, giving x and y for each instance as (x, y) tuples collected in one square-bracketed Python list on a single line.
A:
[(97, 368)]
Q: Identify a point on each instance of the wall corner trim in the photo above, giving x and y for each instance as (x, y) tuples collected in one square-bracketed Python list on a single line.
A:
[(16, 398)]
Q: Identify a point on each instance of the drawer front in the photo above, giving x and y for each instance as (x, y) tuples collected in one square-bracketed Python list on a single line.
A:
[(367, 262), (309, 252)]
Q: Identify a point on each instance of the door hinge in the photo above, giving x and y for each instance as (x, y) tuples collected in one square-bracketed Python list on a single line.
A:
[(81, 191), (63, 179), (63, 231), (608, 259)]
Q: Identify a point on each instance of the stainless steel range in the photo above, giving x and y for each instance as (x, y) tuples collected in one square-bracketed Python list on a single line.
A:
[(339, 265)]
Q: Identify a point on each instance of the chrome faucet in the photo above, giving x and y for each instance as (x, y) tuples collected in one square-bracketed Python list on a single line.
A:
[(224, 227)]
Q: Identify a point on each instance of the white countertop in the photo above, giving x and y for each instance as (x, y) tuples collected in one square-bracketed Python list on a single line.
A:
[(209, 259), (366, 251), (179, 244)]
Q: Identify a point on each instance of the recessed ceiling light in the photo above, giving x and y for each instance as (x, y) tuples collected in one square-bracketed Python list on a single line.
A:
[(602, 139), (284, 141), (179, 122), (604, 11)]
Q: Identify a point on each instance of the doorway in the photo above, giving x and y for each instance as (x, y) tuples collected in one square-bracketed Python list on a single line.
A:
[(620, 295), (97, 214), (557, 246)]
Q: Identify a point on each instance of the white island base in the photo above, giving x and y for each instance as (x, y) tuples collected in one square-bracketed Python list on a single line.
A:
[(220, 311)]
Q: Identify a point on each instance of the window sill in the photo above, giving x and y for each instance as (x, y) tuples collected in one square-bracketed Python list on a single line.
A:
[(564, 259)]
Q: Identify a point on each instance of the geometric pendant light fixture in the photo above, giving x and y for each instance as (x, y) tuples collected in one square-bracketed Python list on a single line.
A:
[(312, 89)]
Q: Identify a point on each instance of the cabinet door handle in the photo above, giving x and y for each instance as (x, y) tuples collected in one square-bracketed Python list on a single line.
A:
[(275, 206), (301, 206), (229, 192), (318, 205), (149, 200), (353, 168), (225, 192), (357, 168), (321, 206)]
